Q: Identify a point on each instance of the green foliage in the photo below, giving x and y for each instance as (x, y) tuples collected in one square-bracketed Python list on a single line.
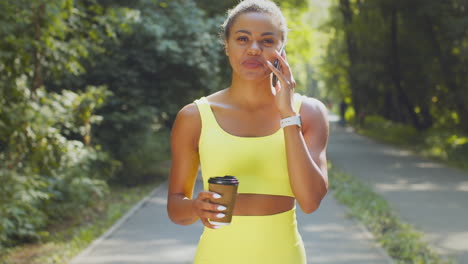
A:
[(407, 66), (436, 143), (48, 167), (141, 155), (75, 234), (62, 134), (400, 240), (44, 39), (168, 55), (44, 174), (396, 133), (215, 8)]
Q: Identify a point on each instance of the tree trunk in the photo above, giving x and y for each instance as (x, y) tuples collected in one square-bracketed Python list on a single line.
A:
[(351, 46), (396, 71), (448, 75)]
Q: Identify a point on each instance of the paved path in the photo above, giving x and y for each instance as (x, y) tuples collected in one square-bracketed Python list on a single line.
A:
[(147, 236), (426, 194)]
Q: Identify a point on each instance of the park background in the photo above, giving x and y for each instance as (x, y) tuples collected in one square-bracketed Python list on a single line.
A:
[(89, 91)]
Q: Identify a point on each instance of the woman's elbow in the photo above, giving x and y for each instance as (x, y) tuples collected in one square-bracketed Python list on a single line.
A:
[(172, 216), (174, 219), (181, 221), (312, 204), (309, 207), (178, 219)]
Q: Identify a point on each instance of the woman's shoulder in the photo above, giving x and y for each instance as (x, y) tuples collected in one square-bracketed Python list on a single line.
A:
[(189, 111), (192, 110), (188, 117), (311, 104), (313, 110)]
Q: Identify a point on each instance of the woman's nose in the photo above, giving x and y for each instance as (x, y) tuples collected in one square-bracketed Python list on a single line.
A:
[(254, 49)]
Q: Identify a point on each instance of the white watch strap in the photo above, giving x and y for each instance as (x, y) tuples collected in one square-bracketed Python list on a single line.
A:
[(290, 121)]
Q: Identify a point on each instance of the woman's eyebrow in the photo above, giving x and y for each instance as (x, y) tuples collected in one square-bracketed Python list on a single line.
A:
[(249, 33)]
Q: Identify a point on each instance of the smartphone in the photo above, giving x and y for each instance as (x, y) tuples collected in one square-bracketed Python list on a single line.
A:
[(278, 66)]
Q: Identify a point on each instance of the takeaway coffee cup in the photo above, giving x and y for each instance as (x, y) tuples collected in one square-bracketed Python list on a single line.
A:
[(227, 187)]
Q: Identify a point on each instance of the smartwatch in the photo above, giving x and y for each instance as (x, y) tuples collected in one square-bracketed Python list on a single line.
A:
[(290, 121)]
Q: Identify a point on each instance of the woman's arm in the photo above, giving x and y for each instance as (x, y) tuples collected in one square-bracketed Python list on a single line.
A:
[(306, 155), (306, 148), (182, 209)]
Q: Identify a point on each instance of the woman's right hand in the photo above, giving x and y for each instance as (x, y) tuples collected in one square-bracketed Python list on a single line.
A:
[(204, 207)]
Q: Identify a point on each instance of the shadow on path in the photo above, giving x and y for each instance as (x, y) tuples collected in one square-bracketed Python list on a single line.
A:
[(148, 236), (426, 194)]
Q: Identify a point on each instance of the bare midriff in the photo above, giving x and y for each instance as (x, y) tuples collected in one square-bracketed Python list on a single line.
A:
[(262, 204)]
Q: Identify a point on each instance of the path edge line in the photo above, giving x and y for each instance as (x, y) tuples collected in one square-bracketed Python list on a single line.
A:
[(116, 225), (366, 232), (372, 238)]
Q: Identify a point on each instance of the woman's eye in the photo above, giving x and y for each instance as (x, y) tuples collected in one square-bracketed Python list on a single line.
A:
[(268, 41), (242, 39)]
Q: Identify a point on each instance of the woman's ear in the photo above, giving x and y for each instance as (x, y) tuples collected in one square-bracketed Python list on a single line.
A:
[(226, 48)]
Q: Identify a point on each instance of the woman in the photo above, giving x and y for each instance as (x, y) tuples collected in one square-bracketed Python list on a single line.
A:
[(251, 130)]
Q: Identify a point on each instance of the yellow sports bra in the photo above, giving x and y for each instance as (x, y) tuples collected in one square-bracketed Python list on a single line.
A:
[(259, 163)]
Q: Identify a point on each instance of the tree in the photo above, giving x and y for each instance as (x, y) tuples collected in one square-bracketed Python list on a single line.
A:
[(403, 59), (48, 166), (167, 56)]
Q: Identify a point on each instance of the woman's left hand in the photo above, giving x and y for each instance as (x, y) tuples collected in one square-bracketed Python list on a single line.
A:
[(284, 87)]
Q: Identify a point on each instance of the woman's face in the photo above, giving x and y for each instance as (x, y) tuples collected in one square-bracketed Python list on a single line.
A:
[(253, 39)]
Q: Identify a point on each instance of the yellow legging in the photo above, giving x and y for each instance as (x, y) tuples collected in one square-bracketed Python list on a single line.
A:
[(253, 239)]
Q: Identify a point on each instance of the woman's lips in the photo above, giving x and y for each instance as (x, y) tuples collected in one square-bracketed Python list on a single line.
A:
[(252, 64)]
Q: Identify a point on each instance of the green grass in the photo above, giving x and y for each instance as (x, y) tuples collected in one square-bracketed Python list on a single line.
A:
[(400, 240), (443, 145), (70, 238)]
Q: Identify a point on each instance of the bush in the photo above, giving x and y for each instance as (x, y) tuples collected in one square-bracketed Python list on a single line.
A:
[(20, 218), (379, 127), (141, 155), (169, 56), (45, 170), (438, 143)]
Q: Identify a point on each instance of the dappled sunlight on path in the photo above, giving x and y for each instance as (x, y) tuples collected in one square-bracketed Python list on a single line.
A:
[(148, 236), (428, 195), (331, 237)]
